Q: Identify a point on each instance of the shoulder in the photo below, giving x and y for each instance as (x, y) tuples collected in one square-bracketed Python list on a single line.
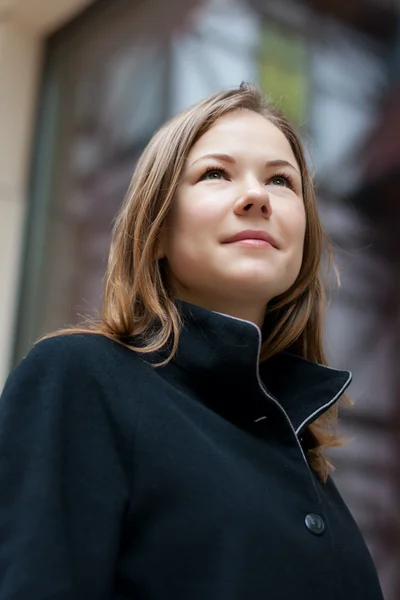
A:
[(75, 347), (76, 379), (66, 401), (83, 344), (74, 358)]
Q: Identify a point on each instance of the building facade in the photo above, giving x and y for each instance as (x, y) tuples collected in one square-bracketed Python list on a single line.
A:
[(85, 83)]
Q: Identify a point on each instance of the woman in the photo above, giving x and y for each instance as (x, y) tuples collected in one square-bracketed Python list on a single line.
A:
[(173, 450)]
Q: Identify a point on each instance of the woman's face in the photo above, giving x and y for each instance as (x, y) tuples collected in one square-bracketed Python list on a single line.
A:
[(241, 181)]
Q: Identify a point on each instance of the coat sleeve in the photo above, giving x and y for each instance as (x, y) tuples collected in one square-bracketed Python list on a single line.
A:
[(63, 485)]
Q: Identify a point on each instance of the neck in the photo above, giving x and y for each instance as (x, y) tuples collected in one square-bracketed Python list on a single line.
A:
[(239, 310)]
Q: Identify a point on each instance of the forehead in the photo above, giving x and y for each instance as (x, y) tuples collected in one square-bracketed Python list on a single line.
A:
[(244, 132)]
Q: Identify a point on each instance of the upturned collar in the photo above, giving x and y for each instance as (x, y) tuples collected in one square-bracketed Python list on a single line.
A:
[(218, 355)]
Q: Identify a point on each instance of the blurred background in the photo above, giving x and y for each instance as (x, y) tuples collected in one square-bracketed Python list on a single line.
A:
[(84, 84)]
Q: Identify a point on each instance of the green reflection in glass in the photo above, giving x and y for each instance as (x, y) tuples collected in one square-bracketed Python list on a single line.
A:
[(282, 70)]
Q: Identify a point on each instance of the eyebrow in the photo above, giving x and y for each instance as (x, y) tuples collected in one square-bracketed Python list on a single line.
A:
[(230, 159)]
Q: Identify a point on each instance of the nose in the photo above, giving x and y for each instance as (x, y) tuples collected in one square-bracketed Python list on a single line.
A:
[(254, 201)]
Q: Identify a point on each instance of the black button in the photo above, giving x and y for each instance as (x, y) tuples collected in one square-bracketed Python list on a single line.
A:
[(315, 524)]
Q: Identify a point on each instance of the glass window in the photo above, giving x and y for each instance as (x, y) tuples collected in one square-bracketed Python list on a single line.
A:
[(106, 91), (217, 50), (283, 70)]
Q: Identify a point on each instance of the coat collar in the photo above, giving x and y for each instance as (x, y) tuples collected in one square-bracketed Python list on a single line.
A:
[(218, 356)]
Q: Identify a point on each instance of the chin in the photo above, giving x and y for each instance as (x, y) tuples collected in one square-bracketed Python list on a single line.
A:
[(254, 285), (248, 288), (253, 278)]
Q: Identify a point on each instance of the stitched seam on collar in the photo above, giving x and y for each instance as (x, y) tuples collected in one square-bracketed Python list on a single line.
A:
[(325, 406)]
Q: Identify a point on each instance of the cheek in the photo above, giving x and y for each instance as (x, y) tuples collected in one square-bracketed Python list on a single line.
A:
[(297, 233), (293, 224), (192, 221), (187, 232), (301, 227)]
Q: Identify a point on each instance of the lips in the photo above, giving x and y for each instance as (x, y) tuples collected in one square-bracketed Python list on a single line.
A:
[(250, 234)]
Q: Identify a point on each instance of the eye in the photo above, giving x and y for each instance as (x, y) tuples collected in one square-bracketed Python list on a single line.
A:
[(214, 173), (282, 181)]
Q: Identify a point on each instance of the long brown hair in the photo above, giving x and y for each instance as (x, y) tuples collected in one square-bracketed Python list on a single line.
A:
[(137, 303)]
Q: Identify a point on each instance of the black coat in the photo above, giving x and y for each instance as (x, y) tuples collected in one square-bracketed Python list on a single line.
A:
[(123, 481)]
